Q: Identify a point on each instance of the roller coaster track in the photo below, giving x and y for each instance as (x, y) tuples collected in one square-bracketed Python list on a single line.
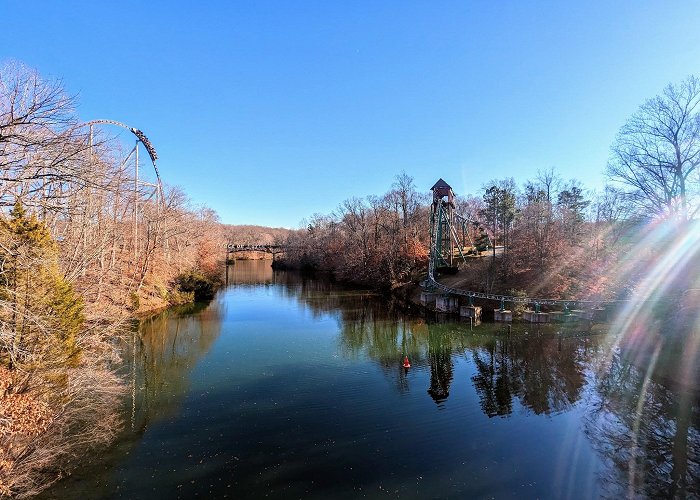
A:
[(139, 135), (434, 283)]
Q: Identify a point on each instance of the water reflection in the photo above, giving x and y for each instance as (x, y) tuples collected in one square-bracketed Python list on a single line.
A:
[(166, 349), (545, 373), (250, 272), (649, 434), (304, 391), (158, 360), (441, 367)]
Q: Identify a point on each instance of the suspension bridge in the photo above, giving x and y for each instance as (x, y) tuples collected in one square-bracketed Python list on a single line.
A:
[(447, 246), (450, 242)]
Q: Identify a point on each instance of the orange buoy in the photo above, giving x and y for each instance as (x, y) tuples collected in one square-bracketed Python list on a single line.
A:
[(406, 364)]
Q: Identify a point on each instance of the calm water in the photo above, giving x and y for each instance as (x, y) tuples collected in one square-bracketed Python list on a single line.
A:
[(286, 387)]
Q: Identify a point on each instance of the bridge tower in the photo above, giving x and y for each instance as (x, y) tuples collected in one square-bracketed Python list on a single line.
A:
[(442, 243)]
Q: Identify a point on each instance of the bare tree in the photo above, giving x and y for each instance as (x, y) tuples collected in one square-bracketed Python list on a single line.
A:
[(549, 181), (404, 189), (657, 152), (41, 145)]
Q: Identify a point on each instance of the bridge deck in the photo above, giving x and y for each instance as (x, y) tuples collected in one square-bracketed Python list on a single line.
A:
[(233, 247)]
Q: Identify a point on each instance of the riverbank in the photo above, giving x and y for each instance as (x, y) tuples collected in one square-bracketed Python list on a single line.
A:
[(55, 413), (51, 419)]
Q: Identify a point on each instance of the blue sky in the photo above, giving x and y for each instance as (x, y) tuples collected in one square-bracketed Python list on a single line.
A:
[(269, 112)]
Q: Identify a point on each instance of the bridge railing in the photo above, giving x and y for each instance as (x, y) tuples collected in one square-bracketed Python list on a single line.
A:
[(433, 282), (233, 247)]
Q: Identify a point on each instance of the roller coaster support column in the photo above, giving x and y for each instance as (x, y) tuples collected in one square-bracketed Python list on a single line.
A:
[(136, 204)]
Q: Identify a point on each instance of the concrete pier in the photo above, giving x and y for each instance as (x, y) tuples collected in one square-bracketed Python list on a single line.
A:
[(574, 316), (427, 299), (536, 317), (599, 314), (503, 316), (446, 303), (470, 312)]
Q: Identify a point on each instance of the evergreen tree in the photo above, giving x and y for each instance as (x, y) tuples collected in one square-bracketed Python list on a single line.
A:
[(572, 205), (482, 241), (45, 314), (489, 213)]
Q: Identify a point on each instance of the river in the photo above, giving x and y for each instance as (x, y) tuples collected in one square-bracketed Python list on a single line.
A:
[(290, 387)]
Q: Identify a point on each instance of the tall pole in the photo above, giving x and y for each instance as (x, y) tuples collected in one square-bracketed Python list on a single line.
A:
[(91, 153), (450, 229), (136, 207)]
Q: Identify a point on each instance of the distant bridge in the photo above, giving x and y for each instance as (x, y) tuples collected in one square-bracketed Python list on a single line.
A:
[(273, 249)]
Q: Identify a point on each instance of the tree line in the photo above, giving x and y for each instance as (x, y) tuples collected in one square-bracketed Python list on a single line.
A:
[(379, 240), (545, 227), (558, 238)]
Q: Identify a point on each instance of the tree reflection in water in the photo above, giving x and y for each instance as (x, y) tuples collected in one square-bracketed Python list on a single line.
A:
[(651, 444), (250, 272), (158, 362), (545, 373), (440, 351), (167, 348), (648, 433)]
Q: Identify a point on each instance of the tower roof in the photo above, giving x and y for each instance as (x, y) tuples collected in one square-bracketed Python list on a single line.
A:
[(440, 184)]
